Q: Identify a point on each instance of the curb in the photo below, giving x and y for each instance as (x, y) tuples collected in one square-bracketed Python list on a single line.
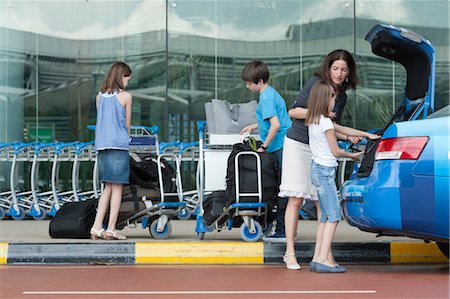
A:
[(223, 253)]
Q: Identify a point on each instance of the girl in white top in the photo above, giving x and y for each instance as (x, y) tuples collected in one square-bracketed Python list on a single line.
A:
[(325, 150)]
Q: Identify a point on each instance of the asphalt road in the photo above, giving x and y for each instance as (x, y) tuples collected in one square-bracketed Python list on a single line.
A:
[(214, 281)]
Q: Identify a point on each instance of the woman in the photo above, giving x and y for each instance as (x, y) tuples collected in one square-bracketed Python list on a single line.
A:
[(338, 69)]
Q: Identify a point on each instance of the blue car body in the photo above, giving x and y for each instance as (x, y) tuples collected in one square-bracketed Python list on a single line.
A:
[(401, 187)]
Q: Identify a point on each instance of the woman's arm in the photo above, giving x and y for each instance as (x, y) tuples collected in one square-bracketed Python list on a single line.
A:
[(338, 152), (298, 113), (340, 136), (353, 132)]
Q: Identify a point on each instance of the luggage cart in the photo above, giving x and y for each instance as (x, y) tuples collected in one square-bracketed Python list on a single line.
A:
[(171, 203), (64, 152), (19, 203), (5, 195), (159, 211), (189, 152), (84, 152), (213, 176), (43, 152)]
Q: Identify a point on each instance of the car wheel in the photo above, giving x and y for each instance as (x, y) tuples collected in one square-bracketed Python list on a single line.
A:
[(444, 248)]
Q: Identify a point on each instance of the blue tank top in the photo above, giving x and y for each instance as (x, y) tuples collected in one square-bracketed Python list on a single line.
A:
[(111, 131)]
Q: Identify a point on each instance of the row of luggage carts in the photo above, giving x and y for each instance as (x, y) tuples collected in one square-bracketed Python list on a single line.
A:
[(154, 211), (35, 202)]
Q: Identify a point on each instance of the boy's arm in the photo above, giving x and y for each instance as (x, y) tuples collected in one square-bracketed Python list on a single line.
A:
[(353, 132), (335, 150), (273, 130), (249, 128)]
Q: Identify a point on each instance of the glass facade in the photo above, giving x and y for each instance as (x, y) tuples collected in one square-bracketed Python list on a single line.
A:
[(54, 56)]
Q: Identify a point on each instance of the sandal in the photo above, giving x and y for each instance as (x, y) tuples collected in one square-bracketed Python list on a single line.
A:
[(295, 266), (96, 234), (114, 235)]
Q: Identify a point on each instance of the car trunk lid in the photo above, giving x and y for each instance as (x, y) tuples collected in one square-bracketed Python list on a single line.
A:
[(417, 55)]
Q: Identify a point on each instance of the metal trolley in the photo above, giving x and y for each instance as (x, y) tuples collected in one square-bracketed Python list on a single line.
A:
[(154, 213), (251, 230)]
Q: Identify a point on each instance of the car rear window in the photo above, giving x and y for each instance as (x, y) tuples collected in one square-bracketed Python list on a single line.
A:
[(445, 111)]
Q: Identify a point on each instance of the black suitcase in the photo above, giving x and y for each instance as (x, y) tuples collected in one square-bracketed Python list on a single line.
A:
[(74, 220)]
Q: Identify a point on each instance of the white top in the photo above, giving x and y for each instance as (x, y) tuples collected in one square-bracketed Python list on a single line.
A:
[(320, 149)]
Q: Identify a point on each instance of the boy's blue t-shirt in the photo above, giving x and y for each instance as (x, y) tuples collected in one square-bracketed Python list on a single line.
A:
[(271, 104)]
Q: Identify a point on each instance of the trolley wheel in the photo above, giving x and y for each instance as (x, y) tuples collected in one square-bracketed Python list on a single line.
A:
[(160, 235), (41, 216), (248, 236), (184, 214), (2, 213), (20, 216)]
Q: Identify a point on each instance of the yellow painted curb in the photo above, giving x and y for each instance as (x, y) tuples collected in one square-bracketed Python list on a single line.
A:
[(416, 253), (199, 253), (3, 252)]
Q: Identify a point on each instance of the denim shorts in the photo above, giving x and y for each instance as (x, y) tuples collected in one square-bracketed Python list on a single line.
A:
[(114, 166), (323, 178)]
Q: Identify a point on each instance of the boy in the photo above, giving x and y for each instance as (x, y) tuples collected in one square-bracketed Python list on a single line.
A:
[(273, 122)]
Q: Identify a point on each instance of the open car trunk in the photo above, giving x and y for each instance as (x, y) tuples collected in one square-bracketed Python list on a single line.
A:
[(417, 56)]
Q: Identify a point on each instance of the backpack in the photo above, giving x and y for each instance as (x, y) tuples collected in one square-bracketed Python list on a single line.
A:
[(144, 172)]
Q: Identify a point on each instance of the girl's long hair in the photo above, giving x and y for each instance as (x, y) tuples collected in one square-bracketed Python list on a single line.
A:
[(318, 102), (113, 80)]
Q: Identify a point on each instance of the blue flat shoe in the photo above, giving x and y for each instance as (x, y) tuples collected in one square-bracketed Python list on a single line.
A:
[(321, 268), (312, 266)]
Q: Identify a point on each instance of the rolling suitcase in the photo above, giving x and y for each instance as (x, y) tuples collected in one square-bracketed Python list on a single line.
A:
[(74, 220)]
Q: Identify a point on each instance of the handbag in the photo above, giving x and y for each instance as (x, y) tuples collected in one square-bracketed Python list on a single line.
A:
[(223, 117)]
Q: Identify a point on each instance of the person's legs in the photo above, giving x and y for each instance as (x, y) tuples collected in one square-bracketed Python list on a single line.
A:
[(116, 199), (319, 233), (324, 180), (279, 216), (281, 201), (291, 224), (103, 204), (328, 235)]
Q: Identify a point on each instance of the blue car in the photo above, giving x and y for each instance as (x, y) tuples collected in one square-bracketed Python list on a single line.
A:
[(402, 185)]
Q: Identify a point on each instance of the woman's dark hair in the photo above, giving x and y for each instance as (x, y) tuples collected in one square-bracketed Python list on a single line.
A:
[(113, 80), (254, 71), (324, 69)]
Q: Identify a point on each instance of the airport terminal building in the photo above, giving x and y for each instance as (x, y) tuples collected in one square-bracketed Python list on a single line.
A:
[(54, 56)]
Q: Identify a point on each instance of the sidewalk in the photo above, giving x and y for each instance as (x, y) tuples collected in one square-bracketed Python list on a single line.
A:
[(27, 241)]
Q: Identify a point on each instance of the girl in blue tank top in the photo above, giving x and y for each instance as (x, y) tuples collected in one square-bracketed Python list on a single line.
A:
[(112, 143)]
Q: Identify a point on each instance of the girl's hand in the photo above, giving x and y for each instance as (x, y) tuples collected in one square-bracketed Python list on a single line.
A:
[(356, 156), (354, 139), (373, 136)]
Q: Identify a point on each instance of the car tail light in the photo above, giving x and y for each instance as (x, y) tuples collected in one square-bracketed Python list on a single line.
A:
[(403, 148)]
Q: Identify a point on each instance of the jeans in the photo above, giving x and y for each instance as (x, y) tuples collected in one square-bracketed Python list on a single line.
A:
[(281, 201), (323, 178)]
